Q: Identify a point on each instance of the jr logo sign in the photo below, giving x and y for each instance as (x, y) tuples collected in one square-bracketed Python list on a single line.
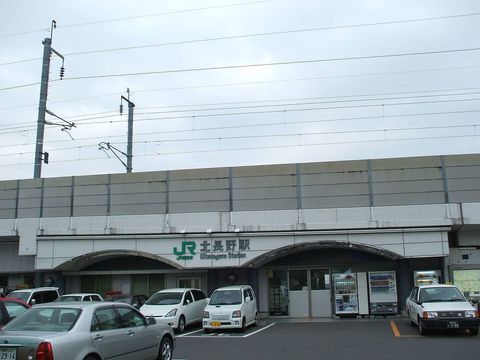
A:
[(187, 252)]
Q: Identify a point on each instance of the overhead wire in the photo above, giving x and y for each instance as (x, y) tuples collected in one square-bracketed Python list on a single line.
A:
[(277, 63), (262, 34), (96, 22), (383, 117)]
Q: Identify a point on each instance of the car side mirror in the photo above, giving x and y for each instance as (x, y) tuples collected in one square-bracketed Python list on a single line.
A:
[(32, 302), (247, 300), (151, 321), (187, 302)]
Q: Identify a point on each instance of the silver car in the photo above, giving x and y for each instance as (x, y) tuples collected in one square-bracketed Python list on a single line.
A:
[(85, 331)]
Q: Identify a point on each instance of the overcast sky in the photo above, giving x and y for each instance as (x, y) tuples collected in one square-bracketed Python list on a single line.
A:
[(228, 83)]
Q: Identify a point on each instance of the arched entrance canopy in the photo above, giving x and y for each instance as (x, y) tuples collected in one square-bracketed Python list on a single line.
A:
[(297, 248), (81, 262)]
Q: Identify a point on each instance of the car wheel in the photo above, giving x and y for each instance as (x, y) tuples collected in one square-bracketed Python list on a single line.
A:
[(473, 331), (166, 349), (244, 323), (256, 319), (181, 324), (421, 329)]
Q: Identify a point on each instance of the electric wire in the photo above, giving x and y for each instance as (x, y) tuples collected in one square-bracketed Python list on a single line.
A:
[(96, 22), (278, 63), (270, 33), (382, 117), (263, 147), (9, 129)]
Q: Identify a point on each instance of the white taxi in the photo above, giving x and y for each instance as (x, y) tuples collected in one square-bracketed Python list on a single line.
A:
[(441, 307)]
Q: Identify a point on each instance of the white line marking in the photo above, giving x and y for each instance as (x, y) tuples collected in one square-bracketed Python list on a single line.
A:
[(191, 332), (255, 332), (216, 335)]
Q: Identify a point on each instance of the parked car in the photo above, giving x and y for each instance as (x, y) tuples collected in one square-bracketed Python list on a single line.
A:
[(176, 307), (231, 307), (36, 296), (135, 300), (85, 331), (441, 307), (11, 308), (79, 297)]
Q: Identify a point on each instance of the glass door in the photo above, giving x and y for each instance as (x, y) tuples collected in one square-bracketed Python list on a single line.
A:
[(278, 298), (299, 293), (320, 293)]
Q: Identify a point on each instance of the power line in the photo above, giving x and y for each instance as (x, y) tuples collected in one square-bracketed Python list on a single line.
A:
[(271, 33), (86, 121), (380, 117), (270, 147), (294, 62), (96, 22)]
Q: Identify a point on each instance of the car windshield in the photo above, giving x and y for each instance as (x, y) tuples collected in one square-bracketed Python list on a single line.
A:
[(51, 319), (65, 298), (226, 297), (22, 295), (165, 298), (440, 294)]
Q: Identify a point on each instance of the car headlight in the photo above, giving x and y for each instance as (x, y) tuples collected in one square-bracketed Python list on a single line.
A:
[(206, 315), (430, 315), (236, 314), (471, 314), (171, 313)]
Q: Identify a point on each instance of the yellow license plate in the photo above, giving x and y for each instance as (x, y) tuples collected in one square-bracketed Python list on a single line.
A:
[(215, 323)]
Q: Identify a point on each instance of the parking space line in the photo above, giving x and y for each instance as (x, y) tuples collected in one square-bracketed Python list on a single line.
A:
[(256, 332), (188, 333), (396, 332), (394, 327), (222, 334)]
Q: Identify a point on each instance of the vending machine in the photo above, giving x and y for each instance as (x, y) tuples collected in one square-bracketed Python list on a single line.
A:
[(427, 277), (345, 289), (382, 287)]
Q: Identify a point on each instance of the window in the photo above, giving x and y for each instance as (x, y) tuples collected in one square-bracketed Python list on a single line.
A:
[(198, 295), (13, 308), (96, 298), (130, 318), (188, 297), (49, 296), (298, 280), (251, 294), (105, 319)]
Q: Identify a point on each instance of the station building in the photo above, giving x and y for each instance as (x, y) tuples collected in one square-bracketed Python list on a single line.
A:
[(313, 239)]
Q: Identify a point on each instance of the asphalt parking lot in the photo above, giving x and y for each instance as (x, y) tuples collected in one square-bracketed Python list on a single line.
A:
[(382, 338)]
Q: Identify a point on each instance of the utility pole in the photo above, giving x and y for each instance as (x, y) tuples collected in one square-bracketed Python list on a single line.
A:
[(131, 105), (115, 151), (40, 156)]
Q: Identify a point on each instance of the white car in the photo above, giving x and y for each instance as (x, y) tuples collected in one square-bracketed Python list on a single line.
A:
[(441, 307), (231, 307), (79, 297), (176, 307)]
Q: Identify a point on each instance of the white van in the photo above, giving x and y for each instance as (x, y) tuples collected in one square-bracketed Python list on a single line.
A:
[(231, 307)]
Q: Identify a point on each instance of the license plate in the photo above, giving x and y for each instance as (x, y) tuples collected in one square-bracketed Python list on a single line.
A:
[(215, 323), (8, 354), (452, 325)]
